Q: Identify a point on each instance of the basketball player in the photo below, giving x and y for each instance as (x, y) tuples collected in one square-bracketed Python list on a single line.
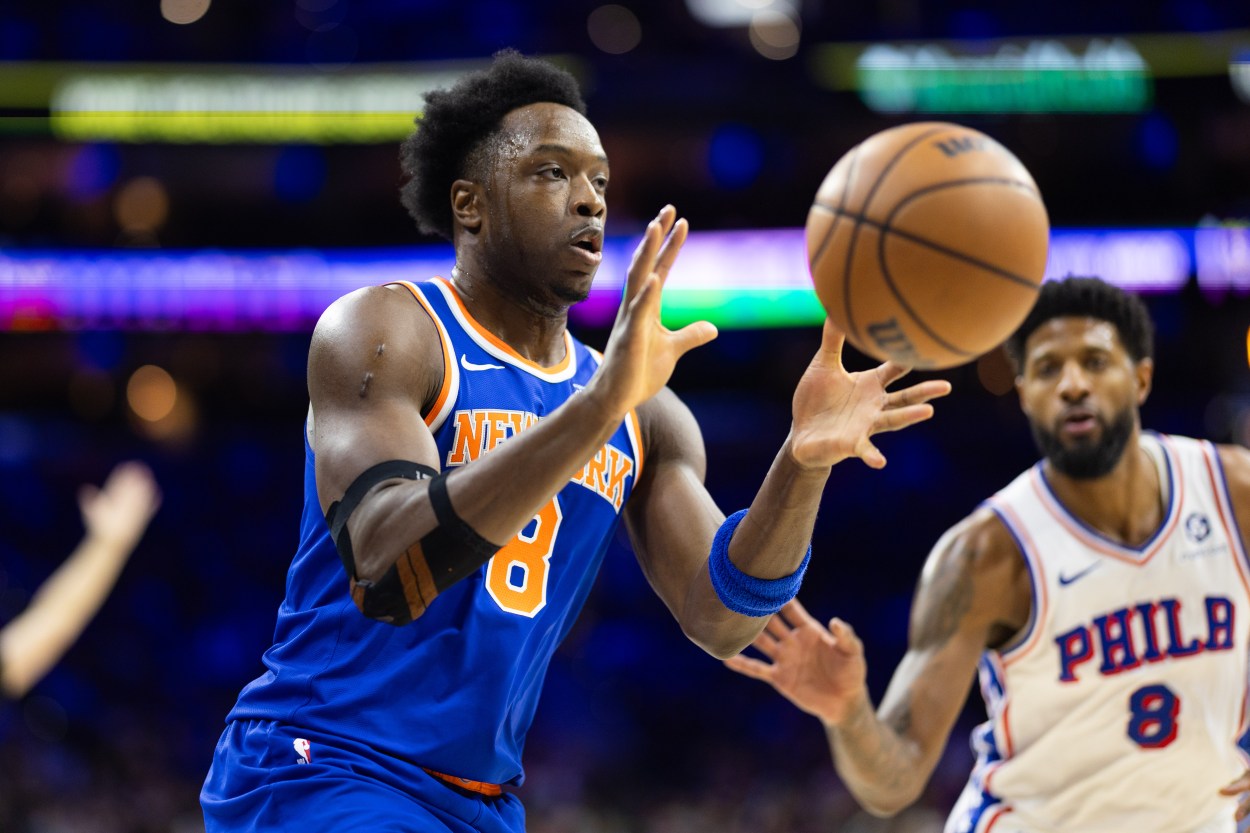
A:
[(115, 516), (1103, 597), (467, 464)]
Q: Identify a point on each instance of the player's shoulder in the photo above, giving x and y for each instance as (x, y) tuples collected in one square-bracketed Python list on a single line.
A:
[(385, 318), (372, 309), (980, 542), (977, 570), (370, 329), (1235, 461)]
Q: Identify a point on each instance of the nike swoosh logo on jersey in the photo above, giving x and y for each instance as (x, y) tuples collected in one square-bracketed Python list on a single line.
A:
[(468, 365), (1064, 581)]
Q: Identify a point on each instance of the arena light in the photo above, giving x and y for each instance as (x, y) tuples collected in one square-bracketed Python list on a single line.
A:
[(732, 13), (1239, 74), (1112, 73), (1222, 253), (240, 106), (1037, 77), (736, 279), (222, 102), (1140, 260)]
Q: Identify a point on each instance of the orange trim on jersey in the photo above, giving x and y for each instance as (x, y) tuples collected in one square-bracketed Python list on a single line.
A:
[(499, 343), (999, 719), (987, 773), (480, 787), (1010, 751), (1032, 557), (448, 359), (1236, 548), (1002, 811), (632, 416), (1102, 545)]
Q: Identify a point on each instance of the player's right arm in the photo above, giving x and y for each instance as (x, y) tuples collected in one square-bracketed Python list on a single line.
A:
[(973, 593), (375, 364)]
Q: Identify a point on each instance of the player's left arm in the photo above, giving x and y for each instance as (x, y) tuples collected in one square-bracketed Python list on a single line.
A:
[(674, 523), (1235, 461)]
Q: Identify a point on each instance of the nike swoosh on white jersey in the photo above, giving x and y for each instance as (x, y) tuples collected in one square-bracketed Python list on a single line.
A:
[(468, 365), (1064, 581)]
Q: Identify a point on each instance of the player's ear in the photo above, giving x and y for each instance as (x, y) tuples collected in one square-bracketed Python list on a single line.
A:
[(466, 204), (1144, 370), (1019, 385)]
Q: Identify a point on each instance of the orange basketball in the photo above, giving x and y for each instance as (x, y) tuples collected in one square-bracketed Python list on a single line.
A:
[(927, 244)]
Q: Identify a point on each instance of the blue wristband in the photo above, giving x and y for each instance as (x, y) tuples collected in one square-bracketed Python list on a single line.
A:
[(746, 594)]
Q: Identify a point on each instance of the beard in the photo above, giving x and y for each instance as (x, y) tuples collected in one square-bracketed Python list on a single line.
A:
[(1087, 459)]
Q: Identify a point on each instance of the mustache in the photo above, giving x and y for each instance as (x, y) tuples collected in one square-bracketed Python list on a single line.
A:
[(1088, 458)]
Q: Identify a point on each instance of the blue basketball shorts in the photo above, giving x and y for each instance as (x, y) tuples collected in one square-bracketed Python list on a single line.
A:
[(273, 778)]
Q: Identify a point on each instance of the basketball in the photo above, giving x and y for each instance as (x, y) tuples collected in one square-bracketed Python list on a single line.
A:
[(927, 244)]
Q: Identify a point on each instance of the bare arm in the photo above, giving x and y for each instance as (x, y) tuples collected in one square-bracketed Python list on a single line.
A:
[(973, 593), (115, 516), (1236, 463), (374, 362), (672, 519)]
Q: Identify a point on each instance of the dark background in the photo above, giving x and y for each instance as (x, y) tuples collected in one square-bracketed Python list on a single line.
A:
[(638, 730)]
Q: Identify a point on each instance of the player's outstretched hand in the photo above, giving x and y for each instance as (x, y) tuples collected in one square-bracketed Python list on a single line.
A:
[(822, 671), (1240, 787), (641, 352), (117, 513), (836, 413)]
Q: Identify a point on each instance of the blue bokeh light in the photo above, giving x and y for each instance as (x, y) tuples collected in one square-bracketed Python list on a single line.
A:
[(735, 156)]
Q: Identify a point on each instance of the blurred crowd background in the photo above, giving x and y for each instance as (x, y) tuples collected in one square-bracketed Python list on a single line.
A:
[(1132, 117)]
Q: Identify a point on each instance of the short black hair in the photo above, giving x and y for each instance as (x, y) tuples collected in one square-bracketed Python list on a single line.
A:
[(458, 121), (1082, 297)]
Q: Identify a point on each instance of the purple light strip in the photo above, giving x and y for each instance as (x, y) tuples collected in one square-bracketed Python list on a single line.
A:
[(288, 290)]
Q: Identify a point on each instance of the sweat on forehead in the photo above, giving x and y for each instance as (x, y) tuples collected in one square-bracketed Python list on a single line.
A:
[(534, 126)]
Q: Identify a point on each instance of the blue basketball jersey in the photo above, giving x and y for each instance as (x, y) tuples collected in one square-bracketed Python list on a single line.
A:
[(456, 689)]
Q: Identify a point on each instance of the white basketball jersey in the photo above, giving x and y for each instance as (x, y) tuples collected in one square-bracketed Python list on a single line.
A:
[(1118, 708)]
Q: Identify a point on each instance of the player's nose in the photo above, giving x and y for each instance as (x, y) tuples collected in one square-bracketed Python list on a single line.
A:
[(1073, 382), (588, 201)]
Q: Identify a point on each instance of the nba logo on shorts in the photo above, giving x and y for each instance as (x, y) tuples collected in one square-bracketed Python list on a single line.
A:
[(304, 749)]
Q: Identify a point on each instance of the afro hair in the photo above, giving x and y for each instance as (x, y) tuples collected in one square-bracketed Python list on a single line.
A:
[(458, 121), (1088, 298)]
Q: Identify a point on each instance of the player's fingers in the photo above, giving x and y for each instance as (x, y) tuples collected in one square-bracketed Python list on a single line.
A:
[(871, 455), (915, 394), (795, 615), (832, 341), (1243, 810), (646, 300), (901, 418), (844, 637), (672, 245), (749, 667), (640, 266), (766, 645), (1240, 785), (693, 335), (776, 628), (890, 372)]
